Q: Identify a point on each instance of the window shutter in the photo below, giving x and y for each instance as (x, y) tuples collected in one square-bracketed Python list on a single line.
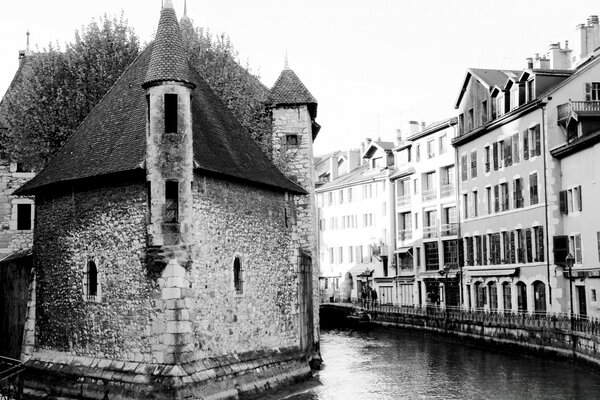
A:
[(562, 195), (496, 198), (529, 244), (526, 144), (538, 148), (560, 246), (578, 257), (495, 154), (588, 91), (464, 167), (515, 147), (580, 203)]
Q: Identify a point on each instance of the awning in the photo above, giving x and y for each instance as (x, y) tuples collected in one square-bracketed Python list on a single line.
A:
[(360, 269), (493, 272), (403, 250)]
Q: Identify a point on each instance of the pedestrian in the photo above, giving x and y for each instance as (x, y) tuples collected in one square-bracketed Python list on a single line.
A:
[(364, 297), (374, 297)]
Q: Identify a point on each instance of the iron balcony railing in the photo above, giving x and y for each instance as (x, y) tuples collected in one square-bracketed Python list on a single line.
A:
[(429, 195), (564, 110), (450, 229), (447, 191), (403, 201), (11, 381), (431, 231)]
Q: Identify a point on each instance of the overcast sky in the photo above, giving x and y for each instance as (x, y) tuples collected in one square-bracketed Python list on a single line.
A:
[(372, 65)]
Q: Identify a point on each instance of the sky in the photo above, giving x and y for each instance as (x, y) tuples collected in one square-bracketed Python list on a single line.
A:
[(371, 65)]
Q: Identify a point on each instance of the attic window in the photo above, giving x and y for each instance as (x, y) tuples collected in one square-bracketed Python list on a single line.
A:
[(291, 140), (171, 201), (170, 113)]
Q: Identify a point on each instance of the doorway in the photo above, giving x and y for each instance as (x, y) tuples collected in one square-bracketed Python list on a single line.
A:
[(581, 301)]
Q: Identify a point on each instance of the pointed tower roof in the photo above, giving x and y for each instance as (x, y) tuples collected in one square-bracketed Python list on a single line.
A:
[(185, 21), (169, 60), (289, 89)]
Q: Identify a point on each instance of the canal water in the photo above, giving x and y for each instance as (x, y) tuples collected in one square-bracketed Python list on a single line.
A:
[(402, 364)]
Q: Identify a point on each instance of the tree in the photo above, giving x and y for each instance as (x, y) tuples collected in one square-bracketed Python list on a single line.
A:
[(216, 59), (61, 88)]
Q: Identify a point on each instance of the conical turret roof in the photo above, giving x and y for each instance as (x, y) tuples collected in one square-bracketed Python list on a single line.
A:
[(169, 60), (289, 89)]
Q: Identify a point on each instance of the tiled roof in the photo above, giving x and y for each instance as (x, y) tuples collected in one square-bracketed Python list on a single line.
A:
[(169, 60), (384, 145), (360, 174), (112, 139), (288, 89), (494, 77)]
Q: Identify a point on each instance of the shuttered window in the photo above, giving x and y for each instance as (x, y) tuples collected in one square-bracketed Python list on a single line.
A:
[(539, 242), (515, 148), (496, 198), (528, 245), (463, 166), (518, 193), (533, 189), (526, 145), (484, 254), (562, 197), (474, 164), (495, 155)]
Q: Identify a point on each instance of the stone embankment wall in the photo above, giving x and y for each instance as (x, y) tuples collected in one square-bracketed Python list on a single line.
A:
[(537, 334)]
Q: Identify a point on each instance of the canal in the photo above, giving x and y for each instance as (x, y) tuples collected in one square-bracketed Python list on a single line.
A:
[(404, 364)]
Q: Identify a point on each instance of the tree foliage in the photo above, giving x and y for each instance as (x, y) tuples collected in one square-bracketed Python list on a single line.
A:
[(217, 61), (60, 88)]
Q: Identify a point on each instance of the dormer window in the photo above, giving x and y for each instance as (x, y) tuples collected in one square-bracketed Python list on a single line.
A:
[(170, 113)]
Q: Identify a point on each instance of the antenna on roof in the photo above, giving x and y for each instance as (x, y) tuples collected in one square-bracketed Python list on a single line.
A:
[(286, 65)]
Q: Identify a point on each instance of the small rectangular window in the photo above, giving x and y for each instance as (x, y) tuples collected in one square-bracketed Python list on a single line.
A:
[(291, 140), (170, 113), (23, 217), (171, 201)]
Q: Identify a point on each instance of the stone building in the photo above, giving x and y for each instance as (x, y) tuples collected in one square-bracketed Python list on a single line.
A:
[(171, 258)]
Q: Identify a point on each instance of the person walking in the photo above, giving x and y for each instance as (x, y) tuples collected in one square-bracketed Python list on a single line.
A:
[(373, 297)]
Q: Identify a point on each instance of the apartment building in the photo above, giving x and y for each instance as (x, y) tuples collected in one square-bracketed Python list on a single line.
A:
[(519, 176), (355, 231), (426, 218)]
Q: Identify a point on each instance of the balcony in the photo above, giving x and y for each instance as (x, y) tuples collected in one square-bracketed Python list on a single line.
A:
[(431, 231), (450, 229), (575, 109), (403, 201), (429, 194), (404, 236), (447, 191)]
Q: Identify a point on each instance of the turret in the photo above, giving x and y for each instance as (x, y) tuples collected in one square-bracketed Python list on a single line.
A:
[(169, 156)]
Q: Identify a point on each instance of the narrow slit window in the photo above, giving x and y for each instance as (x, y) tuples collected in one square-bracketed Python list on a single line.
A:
[(237, 276), (170, 113), (171, 201), (92, 280)]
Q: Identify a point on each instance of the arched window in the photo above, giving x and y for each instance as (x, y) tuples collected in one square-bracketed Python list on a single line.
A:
[(91, 281), (507, 296), (238, 281), (479, 295), (539, 296), (521, 297), (493, 292)]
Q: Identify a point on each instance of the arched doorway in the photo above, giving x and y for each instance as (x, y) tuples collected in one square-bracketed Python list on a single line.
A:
[(539, 297)]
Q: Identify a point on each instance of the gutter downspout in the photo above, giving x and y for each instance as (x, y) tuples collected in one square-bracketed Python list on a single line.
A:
[(544, 102)]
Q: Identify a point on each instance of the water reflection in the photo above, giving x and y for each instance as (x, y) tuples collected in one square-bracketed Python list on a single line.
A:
[(402, 364)]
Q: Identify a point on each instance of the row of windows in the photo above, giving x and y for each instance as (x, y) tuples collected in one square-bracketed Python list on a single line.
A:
[(503, 153), (430, 218), (570, 200), (347, 222), (487, 295), (409, 260), (349, 254), (430, 183), (441, 145), (92, 289), (348, 195), (498, 198), (507, 247)]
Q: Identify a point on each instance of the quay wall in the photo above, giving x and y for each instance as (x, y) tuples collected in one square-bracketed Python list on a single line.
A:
[(575, 340)]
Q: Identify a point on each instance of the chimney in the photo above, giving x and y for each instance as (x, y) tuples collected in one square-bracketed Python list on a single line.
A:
[(353, 159), (333, 167), (593, 34), (581, 42), (559, 58), (413, 127), (530, 62), (422, 126), (398, 136)]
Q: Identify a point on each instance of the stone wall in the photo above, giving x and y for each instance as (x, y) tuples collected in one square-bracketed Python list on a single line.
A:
[(233, 220), (296, 162), (11, 239), (106, 225)]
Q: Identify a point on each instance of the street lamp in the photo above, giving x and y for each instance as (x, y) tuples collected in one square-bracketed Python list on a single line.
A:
[(570, 260)]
